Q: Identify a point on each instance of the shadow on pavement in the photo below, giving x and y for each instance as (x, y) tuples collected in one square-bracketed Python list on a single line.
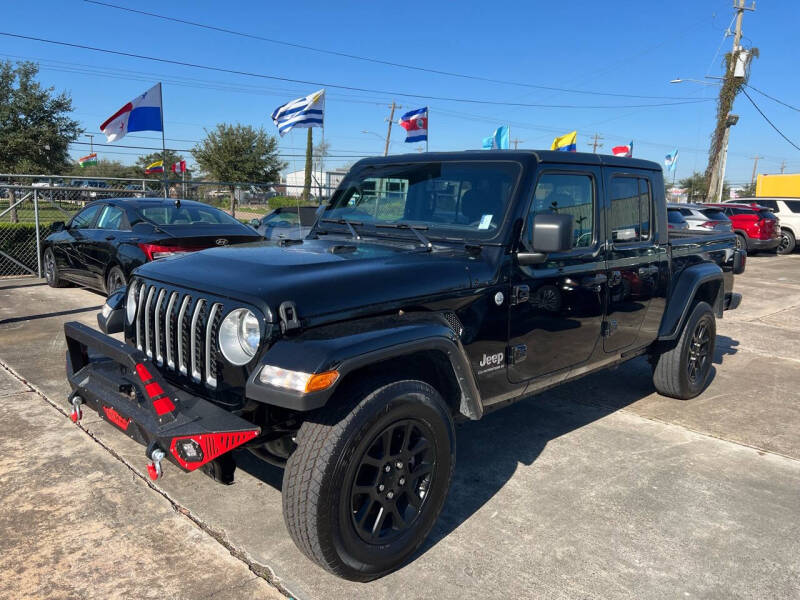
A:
[(60, 313)]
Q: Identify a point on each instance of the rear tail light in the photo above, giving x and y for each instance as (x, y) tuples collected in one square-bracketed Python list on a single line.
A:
[(155, 251), (708, 224)]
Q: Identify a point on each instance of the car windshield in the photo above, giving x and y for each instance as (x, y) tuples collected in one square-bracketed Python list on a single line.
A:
[(451, 199), (714, 214), (282, 219), (185, 215)]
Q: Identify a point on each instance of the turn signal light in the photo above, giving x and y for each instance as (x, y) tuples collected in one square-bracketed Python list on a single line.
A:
[(321, 381)]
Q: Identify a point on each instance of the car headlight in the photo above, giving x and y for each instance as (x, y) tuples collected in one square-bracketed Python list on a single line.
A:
[(239, 336), (130, 305), (297, 380)]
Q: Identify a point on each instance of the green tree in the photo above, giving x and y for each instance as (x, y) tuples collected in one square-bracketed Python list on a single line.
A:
[(237, 154), (696, 187), (749, 190), (35, 124), (105, 168)]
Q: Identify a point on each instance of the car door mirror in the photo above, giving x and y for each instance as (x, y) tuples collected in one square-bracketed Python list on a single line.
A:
[(57, 226), (254, 223), (546, 233)]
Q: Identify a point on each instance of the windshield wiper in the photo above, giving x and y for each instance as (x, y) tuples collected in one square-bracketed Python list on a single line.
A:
[(415, 229), (156, 226), (349, 224)]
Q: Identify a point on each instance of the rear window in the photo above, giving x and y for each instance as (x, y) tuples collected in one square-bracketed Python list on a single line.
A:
[(185, 215), (714, 215), (766, 214), (675, 216)]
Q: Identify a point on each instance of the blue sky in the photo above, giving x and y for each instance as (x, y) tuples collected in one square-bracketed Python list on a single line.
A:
[(622, 47)]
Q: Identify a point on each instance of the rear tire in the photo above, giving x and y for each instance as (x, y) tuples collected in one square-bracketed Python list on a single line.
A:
[(115, 280), (682, 372), (788, 242), (51, 270), (369, 477), (741, 242)]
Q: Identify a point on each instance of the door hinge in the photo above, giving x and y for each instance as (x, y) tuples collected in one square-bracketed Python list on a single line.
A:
[(520, 294)]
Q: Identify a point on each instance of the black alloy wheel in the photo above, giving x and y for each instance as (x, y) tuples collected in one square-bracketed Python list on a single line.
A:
[(51, 270), (115, 280), (392, 480), (699, 360)]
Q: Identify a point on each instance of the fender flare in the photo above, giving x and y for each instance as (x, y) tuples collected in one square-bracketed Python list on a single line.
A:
[(349, 346), (682, 295)]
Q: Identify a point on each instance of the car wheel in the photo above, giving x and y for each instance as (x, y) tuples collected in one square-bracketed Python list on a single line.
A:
[(115, 280), (51, 270), (788, 242), (741, 242), (368, 479), (683, 371)]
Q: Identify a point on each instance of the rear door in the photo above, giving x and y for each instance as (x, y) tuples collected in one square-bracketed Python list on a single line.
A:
[(634, 256), (556, 312)]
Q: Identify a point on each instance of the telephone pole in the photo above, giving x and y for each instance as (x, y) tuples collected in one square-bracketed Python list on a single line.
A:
[(783, 166), (516, 142), (389, 131), (725, 120), (755, 168), (595, 144), (91, 143)]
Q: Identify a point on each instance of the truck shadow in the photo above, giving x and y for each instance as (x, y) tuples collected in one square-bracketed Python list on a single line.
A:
[(490, 451)]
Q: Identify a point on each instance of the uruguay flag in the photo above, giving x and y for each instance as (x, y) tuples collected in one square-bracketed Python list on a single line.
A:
[(302, 113), (415, 122), (140, 114)]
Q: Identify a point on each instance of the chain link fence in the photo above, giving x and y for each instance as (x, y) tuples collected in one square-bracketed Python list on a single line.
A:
[(30, 204)]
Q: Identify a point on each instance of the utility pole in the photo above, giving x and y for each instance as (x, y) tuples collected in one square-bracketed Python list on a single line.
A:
[(389, 131), (725, 120), (91, 143), (516, 142), (755, 168), (595, 144), (783, 166)]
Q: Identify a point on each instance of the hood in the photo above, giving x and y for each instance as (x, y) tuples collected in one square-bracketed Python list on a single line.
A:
[(319, 276)]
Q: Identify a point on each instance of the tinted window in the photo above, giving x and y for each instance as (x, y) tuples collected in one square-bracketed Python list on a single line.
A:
[(110, 218), (675, 216), (450, 198), (741, 211), (185, 215), (85, 218), (714, 214), (686, 212), (282, 219), (766, 214), (567, 194), (631, 206), (771, 204), (794, 205)]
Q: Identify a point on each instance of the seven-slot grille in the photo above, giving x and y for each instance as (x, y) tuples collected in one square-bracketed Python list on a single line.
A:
[(179, 330)]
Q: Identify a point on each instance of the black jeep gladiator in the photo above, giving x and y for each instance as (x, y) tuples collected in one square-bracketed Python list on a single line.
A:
[(432, 287)]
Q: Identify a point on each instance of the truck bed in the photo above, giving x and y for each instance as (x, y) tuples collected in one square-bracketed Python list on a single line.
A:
[(690, 247)]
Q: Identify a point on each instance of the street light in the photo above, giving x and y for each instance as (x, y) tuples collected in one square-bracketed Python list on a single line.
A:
[(375, 134), (681, 80)]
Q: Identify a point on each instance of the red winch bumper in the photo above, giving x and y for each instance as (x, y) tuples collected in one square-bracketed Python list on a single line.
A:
[(123, 386)]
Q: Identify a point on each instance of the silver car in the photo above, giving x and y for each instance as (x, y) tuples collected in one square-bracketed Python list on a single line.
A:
[(701, 217)]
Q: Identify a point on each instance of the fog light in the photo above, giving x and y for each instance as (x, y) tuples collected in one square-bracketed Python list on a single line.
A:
[(297, 380), (189, 450)]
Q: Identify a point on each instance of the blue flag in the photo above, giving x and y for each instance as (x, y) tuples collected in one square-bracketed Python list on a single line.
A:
[(499, 140), (671, 161)]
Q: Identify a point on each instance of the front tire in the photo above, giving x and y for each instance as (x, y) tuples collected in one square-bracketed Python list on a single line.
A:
[(788, 242), (682, 372), (741, 242), (369, 477), (115, 280)]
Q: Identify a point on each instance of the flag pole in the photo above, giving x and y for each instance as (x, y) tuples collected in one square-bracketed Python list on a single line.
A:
[(163, 143), (427, 128)]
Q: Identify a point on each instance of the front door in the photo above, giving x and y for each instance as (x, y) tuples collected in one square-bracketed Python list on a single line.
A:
[(557, 307)]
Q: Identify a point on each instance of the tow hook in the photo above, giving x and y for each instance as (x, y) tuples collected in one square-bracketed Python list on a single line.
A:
[(77, 413), (154, 467)]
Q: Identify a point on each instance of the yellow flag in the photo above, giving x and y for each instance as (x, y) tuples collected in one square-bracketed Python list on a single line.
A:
[(566, 143)]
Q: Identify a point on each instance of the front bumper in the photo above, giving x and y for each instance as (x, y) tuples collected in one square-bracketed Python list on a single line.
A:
[(124, 387)]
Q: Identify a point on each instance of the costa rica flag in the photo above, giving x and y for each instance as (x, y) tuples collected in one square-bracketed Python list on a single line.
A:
[(415, 122)]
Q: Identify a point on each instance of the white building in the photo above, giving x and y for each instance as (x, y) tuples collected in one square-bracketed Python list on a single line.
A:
[(322, 184)]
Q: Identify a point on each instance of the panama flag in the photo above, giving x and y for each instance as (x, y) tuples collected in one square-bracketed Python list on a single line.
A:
[(140, 114), (626, 151), (415, 122)]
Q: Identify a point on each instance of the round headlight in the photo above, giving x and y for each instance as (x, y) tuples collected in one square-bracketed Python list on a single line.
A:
[(130, 305), (239, 336)]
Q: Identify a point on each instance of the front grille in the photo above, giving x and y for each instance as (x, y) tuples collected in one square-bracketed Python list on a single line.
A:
[(179, 331)]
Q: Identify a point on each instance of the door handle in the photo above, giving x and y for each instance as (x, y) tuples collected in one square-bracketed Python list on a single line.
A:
[(594, 282), (111, 237)]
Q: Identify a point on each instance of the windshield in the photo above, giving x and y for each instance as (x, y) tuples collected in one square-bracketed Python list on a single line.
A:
[(452, 199), (185, 215)]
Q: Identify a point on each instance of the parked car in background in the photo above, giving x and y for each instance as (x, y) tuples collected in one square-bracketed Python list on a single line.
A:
[(788, 212), (755, 226), (675, 220), (288, 222), (700, 217), (103, 243), (94, 188)]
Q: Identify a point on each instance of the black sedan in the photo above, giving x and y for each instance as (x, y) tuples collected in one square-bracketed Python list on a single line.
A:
[(103, 243)]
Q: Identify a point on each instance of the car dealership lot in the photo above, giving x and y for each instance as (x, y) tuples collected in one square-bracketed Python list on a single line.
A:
[(600, 488)]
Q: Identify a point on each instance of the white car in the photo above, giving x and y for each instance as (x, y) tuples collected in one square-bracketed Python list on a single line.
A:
[(701, 217), (788, 211)]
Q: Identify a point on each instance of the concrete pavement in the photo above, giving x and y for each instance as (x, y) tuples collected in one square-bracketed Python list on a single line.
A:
[(600, 488)]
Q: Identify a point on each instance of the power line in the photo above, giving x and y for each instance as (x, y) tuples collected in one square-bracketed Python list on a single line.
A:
[(744, 91), (188, 150), (374, 60), (772, 98), (336, 86)]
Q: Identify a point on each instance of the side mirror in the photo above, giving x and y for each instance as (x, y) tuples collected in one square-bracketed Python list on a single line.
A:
[(254, 222), (111, 319), (57, 226), (547, 233)]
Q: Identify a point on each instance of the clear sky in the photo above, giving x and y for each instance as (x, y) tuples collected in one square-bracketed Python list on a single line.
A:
[(630, 47)]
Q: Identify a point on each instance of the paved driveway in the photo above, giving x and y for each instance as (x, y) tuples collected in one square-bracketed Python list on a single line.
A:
[(600, 488)]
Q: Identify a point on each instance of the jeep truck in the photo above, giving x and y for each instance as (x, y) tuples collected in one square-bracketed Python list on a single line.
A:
[(431, 288)]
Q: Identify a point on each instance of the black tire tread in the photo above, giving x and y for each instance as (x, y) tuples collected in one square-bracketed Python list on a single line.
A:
[(57, 281), (792, 242)]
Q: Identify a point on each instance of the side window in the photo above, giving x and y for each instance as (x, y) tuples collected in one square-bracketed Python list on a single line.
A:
[(570, 194), (631, 210), (794, 205), (85, 218), (771, 204), (110, 218)]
